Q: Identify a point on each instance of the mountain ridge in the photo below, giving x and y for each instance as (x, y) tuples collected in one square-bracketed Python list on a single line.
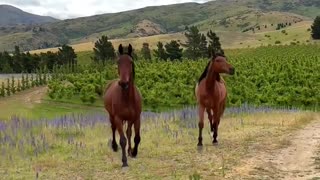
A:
[(225, 15), (10, 16)]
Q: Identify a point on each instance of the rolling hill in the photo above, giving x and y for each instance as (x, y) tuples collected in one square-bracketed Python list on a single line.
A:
[(10, 16), (221, 16)]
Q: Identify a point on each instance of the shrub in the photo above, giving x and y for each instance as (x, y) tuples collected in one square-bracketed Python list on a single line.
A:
[(13, 88), (8, 89), (2, 90), (18, 86)]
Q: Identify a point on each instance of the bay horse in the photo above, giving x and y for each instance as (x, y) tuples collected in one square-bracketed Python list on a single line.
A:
[(123, 100), (211, 94)]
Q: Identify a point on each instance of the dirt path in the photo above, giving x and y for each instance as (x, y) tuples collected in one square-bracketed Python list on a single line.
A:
[(297, 161), (29, 97)]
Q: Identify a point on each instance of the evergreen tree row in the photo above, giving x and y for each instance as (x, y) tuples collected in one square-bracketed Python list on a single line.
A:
[(197, 46), (20, 62)]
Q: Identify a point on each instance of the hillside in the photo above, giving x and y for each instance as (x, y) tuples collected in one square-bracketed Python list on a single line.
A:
[(10, 16), (221, 15)]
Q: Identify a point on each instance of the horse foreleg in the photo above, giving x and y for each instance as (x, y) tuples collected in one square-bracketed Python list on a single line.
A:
[(136, 137), (129, 133), (114, 142), (210, 119), (215, 126), (201, 123), (123, 141)]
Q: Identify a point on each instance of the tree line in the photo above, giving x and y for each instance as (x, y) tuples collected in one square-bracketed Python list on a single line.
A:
[(24, 62), (197, 45)]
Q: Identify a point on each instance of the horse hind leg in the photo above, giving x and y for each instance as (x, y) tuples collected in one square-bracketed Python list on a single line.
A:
[(137, 137)]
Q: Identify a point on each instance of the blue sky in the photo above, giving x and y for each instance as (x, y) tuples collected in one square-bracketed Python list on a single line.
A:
[(63, 9)]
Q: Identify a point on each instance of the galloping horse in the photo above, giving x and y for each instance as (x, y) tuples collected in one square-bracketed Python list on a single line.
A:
[(211, 94), (122, 100)]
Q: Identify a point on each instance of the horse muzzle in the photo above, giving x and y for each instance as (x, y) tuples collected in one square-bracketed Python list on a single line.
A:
[(124, 85)]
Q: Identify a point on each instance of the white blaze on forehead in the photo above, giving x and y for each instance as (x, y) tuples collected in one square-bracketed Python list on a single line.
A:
[(64, 9)]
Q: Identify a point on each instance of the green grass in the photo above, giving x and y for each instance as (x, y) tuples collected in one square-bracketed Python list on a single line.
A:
[(29, 105), (294, 34), (9, 40)]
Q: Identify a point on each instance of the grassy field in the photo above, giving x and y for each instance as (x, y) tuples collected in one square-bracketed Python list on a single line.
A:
[(75, 143), (55, 140), (32, 103)]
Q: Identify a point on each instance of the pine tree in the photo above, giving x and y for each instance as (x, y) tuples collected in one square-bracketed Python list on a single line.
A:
[(145, 51), (173, 50), (203, 46), (67, 56), (193, 42), (315, 28), (214, 44), (160, 52), (103, 50)]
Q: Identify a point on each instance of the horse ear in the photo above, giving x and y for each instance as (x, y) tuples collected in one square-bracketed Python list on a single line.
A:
[(120, 49), (130, 49)]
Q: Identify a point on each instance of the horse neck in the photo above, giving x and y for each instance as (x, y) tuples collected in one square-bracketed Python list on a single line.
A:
[(129, 95), (211, 80)]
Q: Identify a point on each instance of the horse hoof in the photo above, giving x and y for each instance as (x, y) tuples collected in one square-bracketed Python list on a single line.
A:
[(125, 165), (199, 144), (134, 153), (215, 142), (115, 147)]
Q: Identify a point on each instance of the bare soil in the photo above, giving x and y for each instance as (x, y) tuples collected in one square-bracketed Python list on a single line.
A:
[(296, 161)]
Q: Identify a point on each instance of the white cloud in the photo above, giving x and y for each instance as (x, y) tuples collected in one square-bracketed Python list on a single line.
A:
[(63, 9)]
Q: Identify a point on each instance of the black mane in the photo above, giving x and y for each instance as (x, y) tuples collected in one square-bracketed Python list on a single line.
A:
[(204, 74), (133, 65)]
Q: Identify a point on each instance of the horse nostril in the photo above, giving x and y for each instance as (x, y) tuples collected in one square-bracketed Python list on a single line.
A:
[(124, 85)]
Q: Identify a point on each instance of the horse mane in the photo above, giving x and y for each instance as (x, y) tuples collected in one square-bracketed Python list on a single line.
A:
[(133, 65), (204, 73)]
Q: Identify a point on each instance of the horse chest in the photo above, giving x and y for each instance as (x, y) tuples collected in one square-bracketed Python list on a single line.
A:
[(127, 113), (210, 100)]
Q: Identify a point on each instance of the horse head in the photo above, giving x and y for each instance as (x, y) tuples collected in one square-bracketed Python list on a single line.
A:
[(125, 67), (219, 64)]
